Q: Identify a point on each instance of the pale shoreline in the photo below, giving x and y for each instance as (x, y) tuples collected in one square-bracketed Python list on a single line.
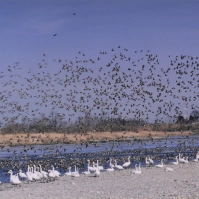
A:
[(153, 183)]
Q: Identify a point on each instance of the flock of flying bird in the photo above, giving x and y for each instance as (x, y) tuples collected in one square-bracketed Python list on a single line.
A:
[(116, 83)]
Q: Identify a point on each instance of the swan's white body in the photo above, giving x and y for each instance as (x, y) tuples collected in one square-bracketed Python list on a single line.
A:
[(22, 175), (127, 164), (34, 174), (160, 165), (181, 160), (169, 169), (29, 174), (93, 168), (118, 166), (146, 161), (51, 174), (44, 173), (14, 179), (175, 163), (100, 167), (97, 172), (151, 161), (56, 173), (69, 172), (87, 172), (110, 169), (137, 170), (75, 173), (111, 165), (186, 160)]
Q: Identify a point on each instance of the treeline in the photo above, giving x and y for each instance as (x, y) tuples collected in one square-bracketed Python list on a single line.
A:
[(85, 124), (89, 123)]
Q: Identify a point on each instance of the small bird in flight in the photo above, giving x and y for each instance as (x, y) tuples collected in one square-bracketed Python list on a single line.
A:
[(73, 13), (54, 35)]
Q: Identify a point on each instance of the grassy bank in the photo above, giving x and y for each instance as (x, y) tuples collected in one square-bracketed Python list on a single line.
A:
[(53, 137)]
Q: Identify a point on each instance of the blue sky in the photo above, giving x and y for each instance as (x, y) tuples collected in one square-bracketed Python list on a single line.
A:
[(165, 27)]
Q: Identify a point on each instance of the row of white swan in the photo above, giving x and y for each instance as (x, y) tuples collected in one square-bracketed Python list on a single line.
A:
[(36, 173)]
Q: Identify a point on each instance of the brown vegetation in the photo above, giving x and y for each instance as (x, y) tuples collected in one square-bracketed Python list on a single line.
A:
[(45, 132), (53, 137)]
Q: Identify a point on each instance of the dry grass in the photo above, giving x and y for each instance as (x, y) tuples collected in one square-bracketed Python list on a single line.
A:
[(53, 137)]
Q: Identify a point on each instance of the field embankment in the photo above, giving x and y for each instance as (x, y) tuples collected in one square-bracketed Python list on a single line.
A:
[(53, 137)]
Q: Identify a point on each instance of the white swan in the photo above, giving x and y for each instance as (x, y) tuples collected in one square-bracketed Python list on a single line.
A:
[(186, 160), (175, 163), (75, 173), (151, 161), (56, 173), (69, 172), (93, 168), (110, 169), (51, 174), (14, 179), (181, 160), (169, 169), (44, 173), (39, 174), (111, 165), (29, 174), (100, 167), (137, 170), (126, 164), (160, 165), (33, 174), (86, 172), (146, 161), (22, 175), (119, 167), (197, 157), (97, 172)]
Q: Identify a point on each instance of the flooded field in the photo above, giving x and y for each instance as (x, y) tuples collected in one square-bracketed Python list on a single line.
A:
[(63, 156)]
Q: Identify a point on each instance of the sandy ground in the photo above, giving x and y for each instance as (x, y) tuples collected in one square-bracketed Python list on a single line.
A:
[(154, 183), (52, 138)]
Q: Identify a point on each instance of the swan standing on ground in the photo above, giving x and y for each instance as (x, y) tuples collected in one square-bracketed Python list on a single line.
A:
[(44, 173), (111, 165), (75, 173), (97, 172), (137, 170), (86, 172), (92, 169), (175, 163), (146, 161), (51, 174), (160, 165), (151, 161), (169, 169), (69, 172), (186, 160), (110, 169), (56, 173), (34, 174), (14, 179), (119, 167), (29, 174), (196, 159), (39, 174), (22, 175), (127, 164), (100, 167), (181, 160)]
